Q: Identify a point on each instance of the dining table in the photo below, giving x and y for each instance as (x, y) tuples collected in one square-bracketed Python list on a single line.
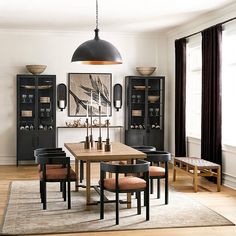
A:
[(118, 152)]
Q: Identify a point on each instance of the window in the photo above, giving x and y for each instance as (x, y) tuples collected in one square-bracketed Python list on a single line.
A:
[(193, 86), (229, 84)]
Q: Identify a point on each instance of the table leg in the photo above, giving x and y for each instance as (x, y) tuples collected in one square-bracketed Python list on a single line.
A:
[(88, 182), (77, 175), (195, 180), (218, 178), (174, 171), (129, 194)]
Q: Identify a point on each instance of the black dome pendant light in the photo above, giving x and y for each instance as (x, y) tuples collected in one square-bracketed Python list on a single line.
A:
[(97, 51)]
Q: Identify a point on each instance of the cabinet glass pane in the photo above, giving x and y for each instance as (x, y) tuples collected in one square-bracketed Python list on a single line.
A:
[(26, 104), (45, 103), (137, 103), (154, 98)]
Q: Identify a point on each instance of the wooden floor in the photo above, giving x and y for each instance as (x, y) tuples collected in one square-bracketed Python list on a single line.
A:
[(223, 202)]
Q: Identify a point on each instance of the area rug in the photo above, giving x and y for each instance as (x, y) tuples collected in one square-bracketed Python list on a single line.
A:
[(24, 214)]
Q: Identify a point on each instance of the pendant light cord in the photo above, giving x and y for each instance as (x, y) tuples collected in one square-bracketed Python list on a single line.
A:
[(96, 14), (96, 30)]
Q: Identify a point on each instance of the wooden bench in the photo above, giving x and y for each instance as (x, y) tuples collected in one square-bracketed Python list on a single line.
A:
[(195, 167)]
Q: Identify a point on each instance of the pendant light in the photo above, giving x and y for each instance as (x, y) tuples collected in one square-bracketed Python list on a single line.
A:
[(97, 51)]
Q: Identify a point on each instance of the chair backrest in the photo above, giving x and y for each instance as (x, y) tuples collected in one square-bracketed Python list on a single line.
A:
[(125, 169), (158, 156), (47, 150), (144, 148), (51, 158)]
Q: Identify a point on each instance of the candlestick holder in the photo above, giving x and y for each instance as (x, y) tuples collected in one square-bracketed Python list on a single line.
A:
[(99, 143), (91, 128), (107, 145), (87, 144)]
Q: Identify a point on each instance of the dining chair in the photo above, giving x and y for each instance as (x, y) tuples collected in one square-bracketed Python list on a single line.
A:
[(125, 184), (155, 170), (63, 175), (58, 151), (156, 158)]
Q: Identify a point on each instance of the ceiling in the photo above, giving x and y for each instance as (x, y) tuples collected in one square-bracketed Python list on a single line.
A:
[(116, 16)]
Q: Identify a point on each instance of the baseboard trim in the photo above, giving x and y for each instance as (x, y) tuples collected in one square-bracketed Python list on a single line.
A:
[(229, 180), (7, 160)]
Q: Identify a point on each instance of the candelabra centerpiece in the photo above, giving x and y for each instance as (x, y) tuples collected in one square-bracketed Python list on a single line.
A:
[(108, 144), (99, 143)]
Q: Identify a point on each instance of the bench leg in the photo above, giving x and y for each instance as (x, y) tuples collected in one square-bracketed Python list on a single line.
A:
[(218, 178), (195, 180), (174, 172)]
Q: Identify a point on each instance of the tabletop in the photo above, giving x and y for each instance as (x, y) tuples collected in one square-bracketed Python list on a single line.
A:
[(119, 151)]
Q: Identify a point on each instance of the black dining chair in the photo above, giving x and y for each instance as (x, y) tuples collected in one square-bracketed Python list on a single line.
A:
[(51, 151), (155, 170), (63, 175), (125, 184)]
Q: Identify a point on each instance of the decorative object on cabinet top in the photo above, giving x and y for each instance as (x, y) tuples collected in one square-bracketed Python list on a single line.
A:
[(36, 69), (145, 70)]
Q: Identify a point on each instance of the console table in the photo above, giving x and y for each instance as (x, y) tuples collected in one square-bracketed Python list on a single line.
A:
[(195, 167), (112, 127)]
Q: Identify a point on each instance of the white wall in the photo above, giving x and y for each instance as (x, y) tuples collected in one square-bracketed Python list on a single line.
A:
[(229, 155), (55, 49)]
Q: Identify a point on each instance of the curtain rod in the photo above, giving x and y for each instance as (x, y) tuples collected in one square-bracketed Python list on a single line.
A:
[(224, 22)]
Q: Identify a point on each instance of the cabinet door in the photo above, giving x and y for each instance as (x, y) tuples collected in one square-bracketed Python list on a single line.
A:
[(46, 139), (134, 137), (27, 142), (155, 138), (26, 102)]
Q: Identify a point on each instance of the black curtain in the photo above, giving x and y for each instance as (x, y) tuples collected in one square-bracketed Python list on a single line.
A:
[(180, 97), (211, 94)]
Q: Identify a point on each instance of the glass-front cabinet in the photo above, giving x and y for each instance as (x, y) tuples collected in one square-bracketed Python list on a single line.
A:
[(144, 116), (36, 114)]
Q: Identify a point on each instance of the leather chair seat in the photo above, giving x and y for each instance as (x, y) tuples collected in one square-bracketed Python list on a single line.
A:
[(54, 174), (125, 183), (55, 166), (156, 171)]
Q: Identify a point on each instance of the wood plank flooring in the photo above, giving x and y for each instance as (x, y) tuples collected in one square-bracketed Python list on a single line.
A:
[(223, 202)]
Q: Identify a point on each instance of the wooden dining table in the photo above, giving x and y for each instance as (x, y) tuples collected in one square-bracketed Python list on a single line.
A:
[(119, 152)]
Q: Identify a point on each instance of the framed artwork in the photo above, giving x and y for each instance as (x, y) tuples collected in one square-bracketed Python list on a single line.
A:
[(89, 88)]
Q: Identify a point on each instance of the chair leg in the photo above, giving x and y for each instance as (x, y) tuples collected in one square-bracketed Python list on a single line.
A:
[(101, 203), (41, 191), (151, 187), (69, 195), (146, 193), (158, 188), (61, 187), (117, 208), (81, 166), (44, 188), (138, 195), (64, 190), (166, 191)]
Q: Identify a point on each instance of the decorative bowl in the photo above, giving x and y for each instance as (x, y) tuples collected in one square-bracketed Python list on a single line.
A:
[(153, 99), (36, 69), (145, 70)]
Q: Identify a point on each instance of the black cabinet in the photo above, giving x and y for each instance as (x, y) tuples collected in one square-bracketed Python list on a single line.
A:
[(144, 115), (36, 114)]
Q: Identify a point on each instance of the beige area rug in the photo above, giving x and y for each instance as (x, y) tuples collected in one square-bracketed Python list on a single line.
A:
[(24, 214)]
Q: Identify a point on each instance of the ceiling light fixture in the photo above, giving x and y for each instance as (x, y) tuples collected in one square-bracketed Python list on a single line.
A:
[(97, 51)]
